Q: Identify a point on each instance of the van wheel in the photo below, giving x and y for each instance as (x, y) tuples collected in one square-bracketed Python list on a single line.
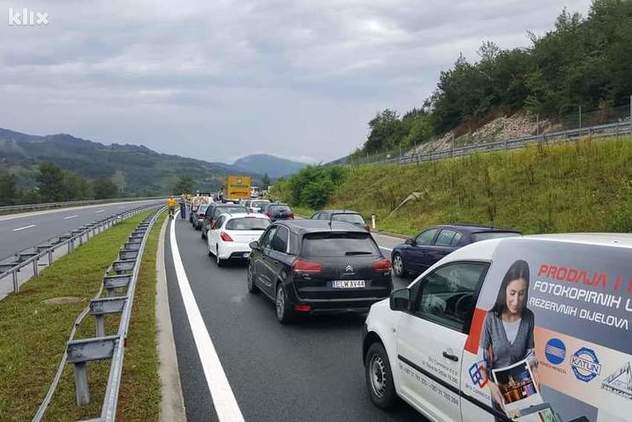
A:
[(379, 377), (283, 311), (252, 288), (398, 266)]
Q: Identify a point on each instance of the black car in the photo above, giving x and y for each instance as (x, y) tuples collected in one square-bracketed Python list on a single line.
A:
[(312, 267), (197, 216), (215, 210), (418, 253), (349, 216), (277, 211)]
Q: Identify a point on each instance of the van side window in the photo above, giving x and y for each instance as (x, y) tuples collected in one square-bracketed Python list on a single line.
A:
[(447, 295), (280, 239)]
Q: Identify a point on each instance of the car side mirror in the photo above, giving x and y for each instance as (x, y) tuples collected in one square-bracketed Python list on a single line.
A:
[(410, 241), (400, 300), (254, 245)]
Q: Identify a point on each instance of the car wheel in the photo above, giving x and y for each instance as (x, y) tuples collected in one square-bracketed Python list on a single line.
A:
[(398, 266), (379, 377), (220, 262), (252, 288), (283, 312)]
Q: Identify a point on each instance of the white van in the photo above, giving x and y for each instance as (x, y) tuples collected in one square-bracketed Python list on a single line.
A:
[(534, 328)]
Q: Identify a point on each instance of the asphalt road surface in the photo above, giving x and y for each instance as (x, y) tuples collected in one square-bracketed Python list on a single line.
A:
[(309, 371), (21, 231)]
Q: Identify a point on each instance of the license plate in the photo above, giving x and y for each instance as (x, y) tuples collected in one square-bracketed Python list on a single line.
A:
[(348, 284)]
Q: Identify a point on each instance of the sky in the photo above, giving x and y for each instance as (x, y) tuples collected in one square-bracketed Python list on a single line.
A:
[(221, 79)]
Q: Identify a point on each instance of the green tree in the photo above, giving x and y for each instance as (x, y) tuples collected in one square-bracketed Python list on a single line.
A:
[(184, 184), (265, 181), (105, 189), (9, 193), (50, 183)]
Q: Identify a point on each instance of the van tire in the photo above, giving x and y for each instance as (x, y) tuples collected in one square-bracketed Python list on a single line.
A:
[(379, 377)]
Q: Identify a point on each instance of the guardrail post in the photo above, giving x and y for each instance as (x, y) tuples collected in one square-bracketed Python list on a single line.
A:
[(100, 320), (50, 256), (81, 383), (16, 286), (35, 272)]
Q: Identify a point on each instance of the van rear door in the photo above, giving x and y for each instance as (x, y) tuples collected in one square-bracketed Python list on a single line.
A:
[(431, 338)]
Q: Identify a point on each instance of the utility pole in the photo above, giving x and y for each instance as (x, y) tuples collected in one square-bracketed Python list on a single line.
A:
[(537, 124), (580, 116)]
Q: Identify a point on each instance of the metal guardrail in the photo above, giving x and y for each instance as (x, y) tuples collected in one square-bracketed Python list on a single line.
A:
[(10, 209), (122, 274), (608, 130), (12, 264)]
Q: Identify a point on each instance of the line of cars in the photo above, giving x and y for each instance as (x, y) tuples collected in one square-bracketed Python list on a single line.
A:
[(484, 333)]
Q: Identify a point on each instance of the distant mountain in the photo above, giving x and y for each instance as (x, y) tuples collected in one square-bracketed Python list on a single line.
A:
[(269, 164), (136, 169)]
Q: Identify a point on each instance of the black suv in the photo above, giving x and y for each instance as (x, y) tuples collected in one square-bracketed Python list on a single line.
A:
[(349, 216), (276, 211), (315, 266)]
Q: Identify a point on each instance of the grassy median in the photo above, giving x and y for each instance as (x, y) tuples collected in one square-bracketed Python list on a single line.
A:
[(36, 322)]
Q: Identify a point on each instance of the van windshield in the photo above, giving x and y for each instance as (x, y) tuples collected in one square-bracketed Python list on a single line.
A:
[(338, 245)]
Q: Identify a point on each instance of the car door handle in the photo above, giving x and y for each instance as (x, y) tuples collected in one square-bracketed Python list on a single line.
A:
[(450, 356)]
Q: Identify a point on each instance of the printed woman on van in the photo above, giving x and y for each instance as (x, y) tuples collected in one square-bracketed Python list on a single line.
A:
[(508, 330)]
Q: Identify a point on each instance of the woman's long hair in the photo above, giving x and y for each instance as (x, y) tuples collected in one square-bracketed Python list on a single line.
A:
[(518, 270)]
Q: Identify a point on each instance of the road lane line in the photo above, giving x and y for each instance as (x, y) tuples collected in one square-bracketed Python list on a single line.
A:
[(99, 211), (25, 227), (70, 216), (382, 247), (223, 397)]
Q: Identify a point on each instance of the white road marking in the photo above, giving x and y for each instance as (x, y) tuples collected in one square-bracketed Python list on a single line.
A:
[(70, 216), (223, 397), (99, 211), (388, 249), (25, 227)]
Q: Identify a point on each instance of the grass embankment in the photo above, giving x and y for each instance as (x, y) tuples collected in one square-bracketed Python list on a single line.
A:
[(583, 186), (33, 333)]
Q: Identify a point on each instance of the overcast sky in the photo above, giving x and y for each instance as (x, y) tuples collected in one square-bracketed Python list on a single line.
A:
[(219, 79)]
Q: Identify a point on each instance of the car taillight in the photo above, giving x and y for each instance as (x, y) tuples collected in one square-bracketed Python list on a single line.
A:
[(302, 266), (382, 265), (225, 237), (269, 215)]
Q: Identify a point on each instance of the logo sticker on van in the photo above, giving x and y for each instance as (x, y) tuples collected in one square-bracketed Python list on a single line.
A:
[(555, 351), (478, 374), (620, 381), (585, 364)]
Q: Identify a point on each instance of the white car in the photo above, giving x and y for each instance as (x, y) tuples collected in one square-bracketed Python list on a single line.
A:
[(532, 328), (231, 234)]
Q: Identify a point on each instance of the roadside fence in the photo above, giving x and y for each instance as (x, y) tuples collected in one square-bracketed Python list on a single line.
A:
[(121, 275)]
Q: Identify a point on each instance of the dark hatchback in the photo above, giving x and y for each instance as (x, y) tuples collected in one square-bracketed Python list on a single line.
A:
[(276, 211), (197, 216), (418, 253), (312, 267), (349, 216), (217, 209)]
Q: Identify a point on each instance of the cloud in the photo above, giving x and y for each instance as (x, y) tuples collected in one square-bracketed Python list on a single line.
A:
[(222, 79)]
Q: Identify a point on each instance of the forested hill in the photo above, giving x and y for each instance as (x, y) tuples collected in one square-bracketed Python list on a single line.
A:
[(135, 169), (582, 62)]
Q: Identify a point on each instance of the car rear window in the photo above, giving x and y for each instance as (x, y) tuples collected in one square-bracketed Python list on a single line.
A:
[(231, 209), (258, 203), (281, 208), (202, 208), (248, 223), (476, 237), (338, 244), (349, 218)]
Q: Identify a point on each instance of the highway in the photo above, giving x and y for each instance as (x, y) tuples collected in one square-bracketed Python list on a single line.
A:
[(309, 371), (20, 231)]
